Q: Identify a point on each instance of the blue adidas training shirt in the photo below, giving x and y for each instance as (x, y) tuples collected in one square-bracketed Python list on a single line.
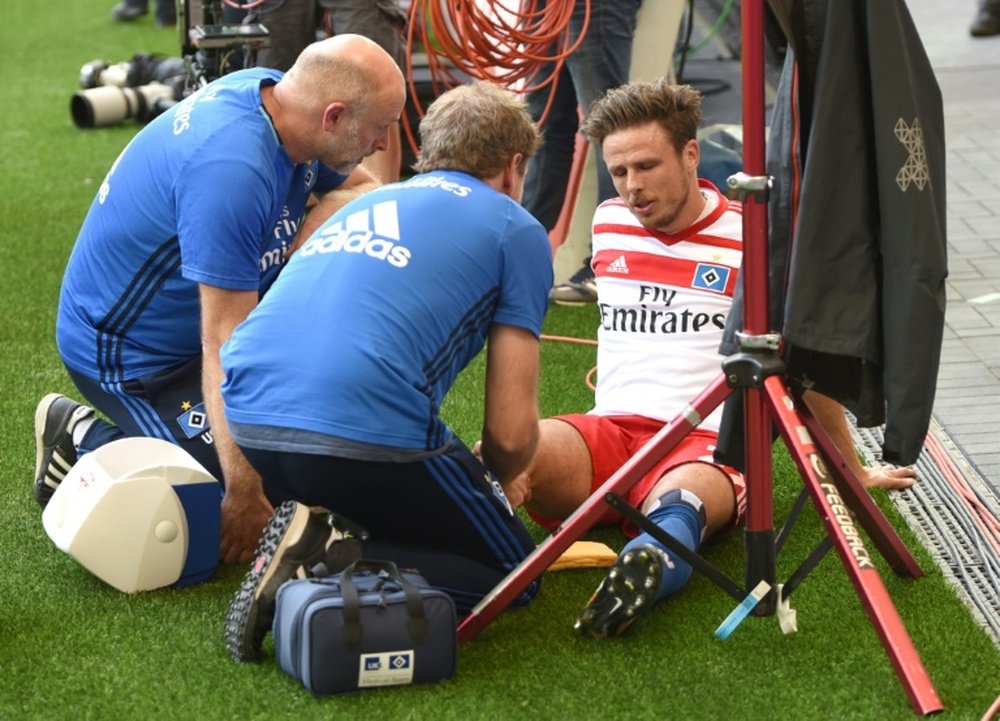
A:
[(205, 193), (355, 346)]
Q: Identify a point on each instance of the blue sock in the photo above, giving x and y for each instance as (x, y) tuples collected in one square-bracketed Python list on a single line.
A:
[(682, 521)]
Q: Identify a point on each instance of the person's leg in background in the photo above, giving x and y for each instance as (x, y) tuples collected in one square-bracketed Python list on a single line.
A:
[(987, 20), (129, 10), (292, 26), (166, 13), (548, 172), (384, 22), (601, 62)]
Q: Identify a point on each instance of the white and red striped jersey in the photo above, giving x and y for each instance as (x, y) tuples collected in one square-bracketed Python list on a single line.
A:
[(663, 299)]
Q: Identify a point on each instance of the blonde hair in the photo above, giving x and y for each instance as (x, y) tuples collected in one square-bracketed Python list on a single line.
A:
[(476, 129), (676, 108)]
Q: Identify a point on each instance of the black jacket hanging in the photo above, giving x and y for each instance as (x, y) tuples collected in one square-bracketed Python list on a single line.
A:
[(862, 315)]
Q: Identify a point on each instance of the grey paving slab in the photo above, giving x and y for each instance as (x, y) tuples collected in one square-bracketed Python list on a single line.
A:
[(960, 392), (967, 370), (967, 402)]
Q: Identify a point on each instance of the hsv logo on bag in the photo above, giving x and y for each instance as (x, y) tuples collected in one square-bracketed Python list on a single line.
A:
[(386, 669)]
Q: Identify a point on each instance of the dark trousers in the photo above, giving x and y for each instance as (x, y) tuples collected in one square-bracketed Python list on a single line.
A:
[(167, 405), (443, 516)]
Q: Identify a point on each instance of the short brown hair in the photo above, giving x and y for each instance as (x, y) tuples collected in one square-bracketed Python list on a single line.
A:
[(676, 108), (477, 129)]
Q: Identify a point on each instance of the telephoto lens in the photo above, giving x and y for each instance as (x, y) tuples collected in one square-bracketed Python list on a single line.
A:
[(111, 105), (139, 89)]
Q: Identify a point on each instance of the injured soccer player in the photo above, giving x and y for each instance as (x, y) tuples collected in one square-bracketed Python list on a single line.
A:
[(666, 256)]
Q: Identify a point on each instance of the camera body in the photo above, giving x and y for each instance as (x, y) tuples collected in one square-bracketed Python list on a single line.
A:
[(148, 85), (214, 46)]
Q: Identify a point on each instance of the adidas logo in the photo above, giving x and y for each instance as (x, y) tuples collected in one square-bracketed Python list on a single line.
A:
[(373, 231), (618, 265)]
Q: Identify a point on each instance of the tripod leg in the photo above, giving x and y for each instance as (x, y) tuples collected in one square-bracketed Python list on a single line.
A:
[(851, 549), (758, 535), (882, 534), (592, 509)]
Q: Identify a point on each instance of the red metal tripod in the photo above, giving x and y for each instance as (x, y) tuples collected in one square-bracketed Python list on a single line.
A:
[(757, 371)]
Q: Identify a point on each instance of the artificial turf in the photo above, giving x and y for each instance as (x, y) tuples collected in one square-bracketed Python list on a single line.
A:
[(72, 647)]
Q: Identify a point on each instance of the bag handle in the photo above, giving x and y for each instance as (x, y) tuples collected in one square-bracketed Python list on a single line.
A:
[(352, 600)]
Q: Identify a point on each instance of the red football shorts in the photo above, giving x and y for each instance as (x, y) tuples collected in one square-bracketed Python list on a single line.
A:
[(613, 440)]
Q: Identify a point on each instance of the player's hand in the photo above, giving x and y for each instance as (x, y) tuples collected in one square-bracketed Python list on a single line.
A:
[(244, 516), (893, 478)]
